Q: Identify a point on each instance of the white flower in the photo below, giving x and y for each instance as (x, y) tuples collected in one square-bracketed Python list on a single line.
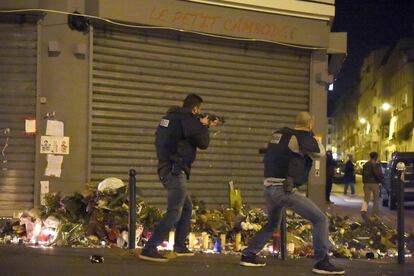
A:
[(257, 227), (102, 203)]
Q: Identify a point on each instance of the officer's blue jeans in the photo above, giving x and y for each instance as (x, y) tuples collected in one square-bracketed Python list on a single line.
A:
[(178, 215), (276, 199)]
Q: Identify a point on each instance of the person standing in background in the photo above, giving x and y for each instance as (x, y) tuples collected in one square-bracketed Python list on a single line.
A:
[(372, 177), (330, 169), (349, 176)]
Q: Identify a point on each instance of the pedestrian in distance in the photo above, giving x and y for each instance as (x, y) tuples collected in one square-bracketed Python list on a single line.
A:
[(372, 177), (330, 170), (349, 175), (287, 162), (179, 134)]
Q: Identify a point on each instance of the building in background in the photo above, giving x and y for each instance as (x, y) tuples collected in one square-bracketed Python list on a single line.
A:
[(330, 136), (369, 102), (400, 130), (377, 114), (346, 115)]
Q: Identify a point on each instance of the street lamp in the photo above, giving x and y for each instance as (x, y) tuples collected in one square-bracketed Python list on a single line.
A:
[(362, 120), (385, 106)]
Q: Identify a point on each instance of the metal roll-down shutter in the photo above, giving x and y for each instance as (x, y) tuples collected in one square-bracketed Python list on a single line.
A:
[(137, 76), (18, 61)]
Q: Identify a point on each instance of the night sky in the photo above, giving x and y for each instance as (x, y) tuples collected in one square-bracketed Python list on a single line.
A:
[(370, 24)]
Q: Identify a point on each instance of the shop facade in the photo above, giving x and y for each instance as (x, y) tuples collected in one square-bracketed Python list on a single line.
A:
[(111, 84)]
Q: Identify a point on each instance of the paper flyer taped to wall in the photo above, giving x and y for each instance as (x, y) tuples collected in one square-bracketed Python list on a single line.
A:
[(54, 145), (54, 165), (30, 126), (44, 187), (43, 199), (54, 128)]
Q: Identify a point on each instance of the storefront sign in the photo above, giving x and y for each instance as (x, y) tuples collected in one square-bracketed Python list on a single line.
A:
[(217, 20)]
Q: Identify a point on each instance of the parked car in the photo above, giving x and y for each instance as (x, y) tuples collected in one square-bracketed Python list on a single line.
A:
[(390, 186), (339, 172), (358, 166)]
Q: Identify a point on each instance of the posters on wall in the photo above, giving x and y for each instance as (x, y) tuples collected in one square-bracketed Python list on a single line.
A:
[(54, 165), (55, 145), (54, 128), (30, 126), (44, 189)]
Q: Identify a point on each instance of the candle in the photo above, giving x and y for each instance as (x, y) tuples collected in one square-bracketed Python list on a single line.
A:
[(290, 248), (171, 240), (217, 245), (276, 242), (238, 241), (205, 240), (223, 241), (191, 239)]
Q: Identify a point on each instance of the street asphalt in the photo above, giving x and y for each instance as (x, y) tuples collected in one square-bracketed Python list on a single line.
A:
[(26, 260), (23, 260), (346, 205)]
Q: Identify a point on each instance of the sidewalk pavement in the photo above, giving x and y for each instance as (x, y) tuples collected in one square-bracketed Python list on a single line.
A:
[(22, 260), (350, 206), (359, 187)]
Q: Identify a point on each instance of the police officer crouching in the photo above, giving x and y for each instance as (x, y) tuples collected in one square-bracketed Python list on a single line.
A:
[(178, 136), (287, 162)]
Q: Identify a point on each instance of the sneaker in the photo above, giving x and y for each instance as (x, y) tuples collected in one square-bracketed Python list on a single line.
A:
[(152, 256), (183, 252), (252, 261), (325, 267)]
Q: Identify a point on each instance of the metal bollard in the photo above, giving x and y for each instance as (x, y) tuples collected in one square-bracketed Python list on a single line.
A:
[(400, 214), (283, 235), (132, 209)]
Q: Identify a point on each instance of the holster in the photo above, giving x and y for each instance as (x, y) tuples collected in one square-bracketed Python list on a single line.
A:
[(288, 185), (163, 171), (176, 169)]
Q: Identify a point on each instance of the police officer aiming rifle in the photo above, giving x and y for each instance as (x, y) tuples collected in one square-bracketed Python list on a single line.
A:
[(287, 162), (212, 118), (180, 133)]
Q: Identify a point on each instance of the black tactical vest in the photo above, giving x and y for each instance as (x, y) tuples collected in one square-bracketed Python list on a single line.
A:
[(174, 151), (281, 162)]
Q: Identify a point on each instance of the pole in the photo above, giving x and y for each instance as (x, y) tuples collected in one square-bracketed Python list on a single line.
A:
[(283, 235), (132, 209), (400, 218)]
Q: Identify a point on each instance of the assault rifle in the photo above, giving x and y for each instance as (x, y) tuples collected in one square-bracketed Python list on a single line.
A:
[(212, 117)]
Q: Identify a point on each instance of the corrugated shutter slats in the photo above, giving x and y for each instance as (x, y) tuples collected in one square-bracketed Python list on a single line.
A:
[(18, 59), (138, 76)]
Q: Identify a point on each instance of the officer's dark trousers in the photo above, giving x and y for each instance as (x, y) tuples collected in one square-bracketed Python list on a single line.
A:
[(178, 213)]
